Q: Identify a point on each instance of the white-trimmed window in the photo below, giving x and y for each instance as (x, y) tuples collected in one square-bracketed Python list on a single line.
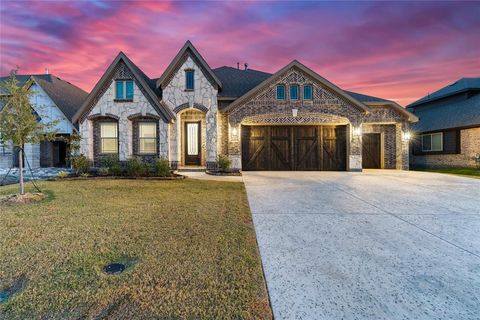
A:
[(432, 142), (147, 135), (109, 137)]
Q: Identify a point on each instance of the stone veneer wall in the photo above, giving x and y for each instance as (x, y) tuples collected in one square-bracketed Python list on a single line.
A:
[(326, 107), (469, 147), (204, 94), (105, 105)]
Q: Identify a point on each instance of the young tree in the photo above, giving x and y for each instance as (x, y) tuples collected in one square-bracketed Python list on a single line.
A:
[(18, 122)]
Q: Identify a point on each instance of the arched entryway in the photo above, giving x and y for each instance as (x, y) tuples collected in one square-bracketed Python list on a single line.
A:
[(191, 137)]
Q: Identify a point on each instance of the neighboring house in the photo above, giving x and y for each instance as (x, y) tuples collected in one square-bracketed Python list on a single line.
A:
[(448, 133), (291, 120), (53, 99)]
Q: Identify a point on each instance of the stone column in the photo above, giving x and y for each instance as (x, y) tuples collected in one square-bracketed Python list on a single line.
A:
[(123, 139), (211, 123), (234, 152), (163, 145), (354, 150), (403, 152)]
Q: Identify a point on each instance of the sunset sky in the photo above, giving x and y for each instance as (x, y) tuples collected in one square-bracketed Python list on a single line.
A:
[(394, 50)]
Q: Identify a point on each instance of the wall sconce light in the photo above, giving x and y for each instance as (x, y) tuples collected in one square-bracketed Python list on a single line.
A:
[(406, 135), (294, 112), (357, 131), (234, 132)]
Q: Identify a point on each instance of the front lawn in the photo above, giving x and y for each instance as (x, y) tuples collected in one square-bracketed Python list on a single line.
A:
[(189, 247), (472, 172)]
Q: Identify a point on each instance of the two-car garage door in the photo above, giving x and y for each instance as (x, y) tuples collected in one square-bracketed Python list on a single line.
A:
[(294, 148)]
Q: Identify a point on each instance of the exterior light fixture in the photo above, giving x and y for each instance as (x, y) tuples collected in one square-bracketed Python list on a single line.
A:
[(406, 135), (234, 132), (357, 131), (294, 112)]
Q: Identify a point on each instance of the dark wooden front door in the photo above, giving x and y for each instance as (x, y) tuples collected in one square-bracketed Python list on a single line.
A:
[(294, 148), (192, 145), (371, 151)]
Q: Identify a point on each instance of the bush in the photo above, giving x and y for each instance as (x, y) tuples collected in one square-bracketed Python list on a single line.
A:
[(111, 164), (62, 174), (136, 167), (162, 168), (224, 162), (80, 164)]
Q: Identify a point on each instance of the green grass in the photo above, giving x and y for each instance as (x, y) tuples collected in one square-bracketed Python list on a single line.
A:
[(190, 244), (471, 172)]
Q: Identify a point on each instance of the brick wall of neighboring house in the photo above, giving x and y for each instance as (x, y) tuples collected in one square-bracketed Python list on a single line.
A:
[(105, 104), (326, 107), (204, 95), (469, 147)]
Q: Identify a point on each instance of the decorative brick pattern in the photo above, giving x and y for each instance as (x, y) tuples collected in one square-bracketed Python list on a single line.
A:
[(326, 107), (469, 147)]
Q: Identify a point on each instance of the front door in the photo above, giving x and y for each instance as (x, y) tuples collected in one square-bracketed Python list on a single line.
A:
[(192, 143), (371, 151)]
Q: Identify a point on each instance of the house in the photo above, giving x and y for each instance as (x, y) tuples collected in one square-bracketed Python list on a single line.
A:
[(53, 99), (293, 119), (448, 133)]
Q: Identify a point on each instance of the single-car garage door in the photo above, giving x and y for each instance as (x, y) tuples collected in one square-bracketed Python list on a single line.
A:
[(294, 148)]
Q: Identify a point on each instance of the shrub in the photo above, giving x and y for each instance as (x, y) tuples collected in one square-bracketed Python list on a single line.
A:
[(162, 168), (136, 167), (112, 165), (224, 162), (80, 164), (84, 175), (62, 174)]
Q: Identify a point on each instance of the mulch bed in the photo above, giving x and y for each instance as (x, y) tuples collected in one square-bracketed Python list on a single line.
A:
[(173, 177), (223, 173), (22, 198)]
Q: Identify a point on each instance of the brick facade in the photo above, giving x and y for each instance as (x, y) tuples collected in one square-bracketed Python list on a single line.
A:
[(469, 148), (326, 107)]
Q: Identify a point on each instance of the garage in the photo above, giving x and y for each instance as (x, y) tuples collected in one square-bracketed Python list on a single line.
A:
[(287, 148)]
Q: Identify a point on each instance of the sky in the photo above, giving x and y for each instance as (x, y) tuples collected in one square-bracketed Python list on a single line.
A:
[(394, 50)]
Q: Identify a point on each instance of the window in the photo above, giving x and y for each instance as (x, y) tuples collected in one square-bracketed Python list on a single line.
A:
[(124, 90), (307, 92), (189, 80), (280, 92), (432, 142), (147, 135), (108, 137), (294, 92)]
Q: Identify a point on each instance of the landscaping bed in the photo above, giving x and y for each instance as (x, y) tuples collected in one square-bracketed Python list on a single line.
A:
[(187, 248)]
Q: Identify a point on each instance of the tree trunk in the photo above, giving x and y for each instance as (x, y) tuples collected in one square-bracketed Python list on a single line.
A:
[(20, 168)]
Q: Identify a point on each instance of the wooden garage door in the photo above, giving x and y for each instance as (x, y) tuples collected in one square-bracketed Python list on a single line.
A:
[(294, 148)]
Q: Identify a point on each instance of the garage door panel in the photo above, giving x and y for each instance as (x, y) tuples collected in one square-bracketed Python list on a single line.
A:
[(294, 148)]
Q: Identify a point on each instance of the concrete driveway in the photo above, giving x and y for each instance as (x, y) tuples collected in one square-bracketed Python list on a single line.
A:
[(371, 245)]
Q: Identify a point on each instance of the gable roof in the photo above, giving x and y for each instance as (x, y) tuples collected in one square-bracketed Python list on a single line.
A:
[(459, 86), (308, 71), (449, 115), (147, 84), (187, 48), (66, 96), (236, 82)]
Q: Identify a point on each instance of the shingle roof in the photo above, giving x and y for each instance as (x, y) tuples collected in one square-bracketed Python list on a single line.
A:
[(237, 82), (66, 96), (462, 85), (448, 115), (365, 98)]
